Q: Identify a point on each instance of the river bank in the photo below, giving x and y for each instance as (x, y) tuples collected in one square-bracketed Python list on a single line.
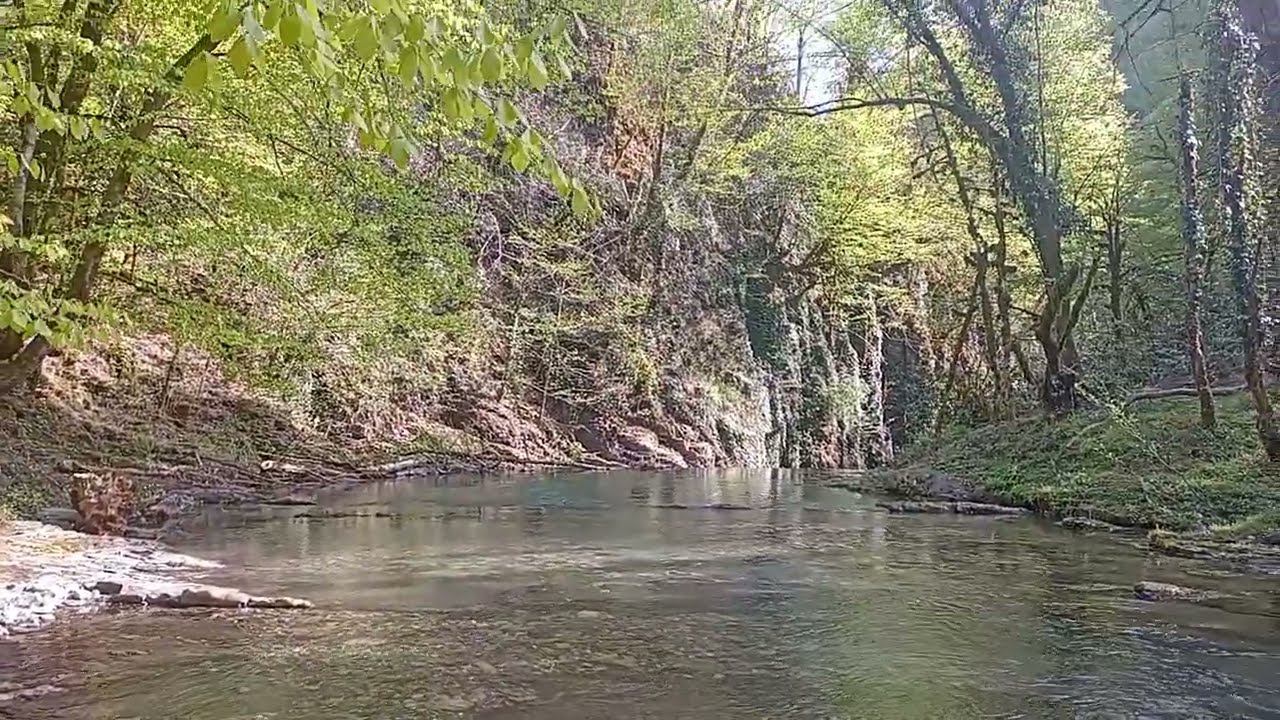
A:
[(1153, 468)]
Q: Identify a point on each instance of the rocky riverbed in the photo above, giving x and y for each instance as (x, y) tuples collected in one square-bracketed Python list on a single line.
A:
[(45, 570)]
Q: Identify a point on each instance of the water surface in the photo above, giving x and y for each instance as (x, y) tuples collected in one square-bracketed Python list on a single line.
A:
[(646, 595)]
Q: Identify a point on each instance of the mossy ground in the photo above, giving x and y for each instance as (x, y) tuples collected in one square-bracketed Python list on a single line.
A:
[(1152, 466)]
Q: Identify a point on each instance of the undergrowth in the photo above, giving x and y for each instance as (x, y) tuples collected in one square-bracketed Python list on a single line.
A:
[(1152, 466)]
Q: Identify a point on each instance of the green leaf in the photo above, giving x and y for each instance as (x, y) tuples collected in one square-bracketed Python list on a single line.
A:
[(558, 178), (524, 48), (556, 30), (19, 320), (491, 65), (408, 65), (457, 67), (537, 71), (519, 158), (240, 57), (367, 44), (352, 27), (225, 23), (45, 119), (272, 17), (399, 152), (434, 28), (508, 115), (79, 128), (581, 200), (430, 70), (197, 73), (291, 29), (416, 30), (382, 7), (490, 131), (450, 104)]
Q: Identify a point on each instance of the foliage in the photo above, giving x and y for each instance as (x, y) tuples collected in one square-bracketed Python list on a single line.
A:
[(245, 141)]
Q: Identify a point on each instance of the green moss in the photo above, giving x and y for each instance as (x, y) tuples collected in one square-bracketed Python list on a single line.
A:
[(1150, 467)]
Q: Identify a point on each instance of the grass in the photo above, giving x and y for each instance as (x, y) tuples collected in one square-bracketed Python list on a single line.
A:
[(1152, 467)]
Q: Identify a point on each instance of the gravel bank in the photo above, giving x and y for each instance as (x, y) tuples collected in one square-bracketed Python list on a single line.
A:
[(45, 569)]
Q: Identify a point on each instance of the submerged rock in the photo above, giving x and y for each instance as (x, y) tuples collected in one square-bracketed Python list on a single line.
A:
[(942, 508), (1158, 591)]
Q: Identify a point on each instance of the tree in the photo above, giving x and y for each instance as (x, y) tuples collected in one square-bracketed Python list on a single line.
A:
[(93, 91), (1193, 234), (1236, 85)]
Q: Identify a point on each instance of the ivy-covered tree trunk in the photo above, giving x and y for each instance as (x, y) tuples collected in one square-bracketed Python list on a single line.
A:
[(1238, 193), (1193, 234), (881, 440)]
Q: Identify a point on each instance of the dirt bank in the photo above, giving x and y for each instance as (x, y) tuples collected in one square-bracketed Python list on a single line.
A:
[(170, 422)]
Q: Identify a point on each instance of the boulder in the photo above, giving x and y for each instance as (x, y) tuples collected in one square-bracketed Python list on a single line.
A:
[(106, 587)]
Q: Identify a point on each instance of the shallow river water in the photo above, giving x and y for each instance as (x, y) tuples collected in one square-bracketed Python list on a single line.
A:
[(647, 595)]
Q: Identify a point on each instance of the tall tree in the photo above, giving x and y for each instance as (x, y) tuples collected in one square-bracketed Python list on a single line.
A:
[(1236, 62), (1001, 43), (1193, 234)]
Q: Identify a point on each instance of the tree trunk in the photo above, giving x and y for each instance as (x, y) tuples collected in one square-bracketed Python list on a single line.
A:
[(1237, 87), (1193, 234), (881, 439), (1115, 258)]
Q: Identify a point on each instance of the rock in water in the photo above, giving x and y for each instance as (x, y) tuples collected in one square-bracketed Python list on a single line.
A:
[(1158, 591), (203, 596)]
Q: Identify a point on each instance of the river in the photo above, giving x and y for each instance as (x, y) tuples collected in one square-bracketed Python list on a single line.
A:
[(737, 594)]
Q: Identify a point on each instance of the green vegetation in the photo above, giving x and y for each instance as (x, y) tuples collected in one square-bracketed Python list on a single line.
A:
[(1152, 466), (655, 232)]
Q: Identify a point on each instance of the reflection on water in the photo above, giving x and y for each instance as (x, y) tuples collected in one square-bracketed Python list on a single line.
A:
[(578, 596)]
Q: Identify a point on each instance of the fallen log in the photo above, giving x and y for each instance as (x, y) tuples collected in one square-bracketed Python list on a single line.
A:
[(435, 457), (931, 507), (1181, 392)]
